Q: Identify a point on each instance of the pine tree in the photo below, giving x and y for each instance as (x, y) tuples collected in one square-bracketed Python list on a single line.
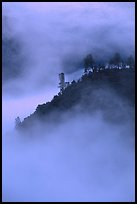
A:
[(88, 62), (130, 61)]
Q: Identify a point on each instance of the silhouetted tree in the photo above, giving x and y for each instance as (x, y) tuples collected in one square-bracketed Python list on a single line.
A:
[(88, 62), (116, 59), (17, 121), (130, 61), (55, 97), (73, 82)]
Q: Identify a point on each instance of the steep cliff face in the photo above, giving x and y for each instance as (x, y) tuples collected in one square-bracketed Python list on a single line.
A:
[(109, 91)]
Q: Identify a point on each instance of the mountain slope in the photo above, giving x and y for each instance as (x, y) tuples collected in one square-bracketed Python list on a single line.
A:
[(109, 91)]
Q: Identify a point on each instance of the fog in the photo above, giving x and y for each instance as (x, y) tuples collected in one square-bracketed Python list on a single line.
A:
[(84, 157), (81, 157), (55, 37)]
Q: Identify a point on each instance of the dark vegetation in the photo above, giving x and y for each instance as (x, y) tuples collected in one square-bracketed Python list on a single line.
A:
[(110, 91)]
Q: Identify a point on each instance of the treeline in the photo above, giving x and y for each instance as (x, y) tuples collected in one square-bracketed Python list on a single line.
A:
[(116, 61)]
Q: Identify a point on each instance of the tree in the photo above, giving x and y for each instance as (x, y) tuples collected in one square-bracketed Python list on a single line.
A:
[(116, 59), (88, 62), (73, 82), (130, 61), (17, 121)]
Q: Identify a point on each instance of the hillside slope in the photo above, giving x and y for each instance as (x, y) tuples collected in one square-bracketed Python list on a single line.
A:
[(109, 91)]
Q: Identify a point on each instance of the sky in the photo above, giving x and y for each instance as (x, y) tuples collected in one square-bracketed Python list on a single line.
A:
[(55, 37)]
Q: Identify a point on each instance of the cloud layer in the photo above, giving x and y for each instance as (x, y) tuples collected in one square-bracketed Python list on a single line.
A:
[(56, 37), (71, 161)]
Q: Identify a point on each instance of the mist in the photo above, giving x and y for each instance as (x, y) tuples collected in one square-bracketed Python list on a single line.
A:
[(55, 37), (83, 157)]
